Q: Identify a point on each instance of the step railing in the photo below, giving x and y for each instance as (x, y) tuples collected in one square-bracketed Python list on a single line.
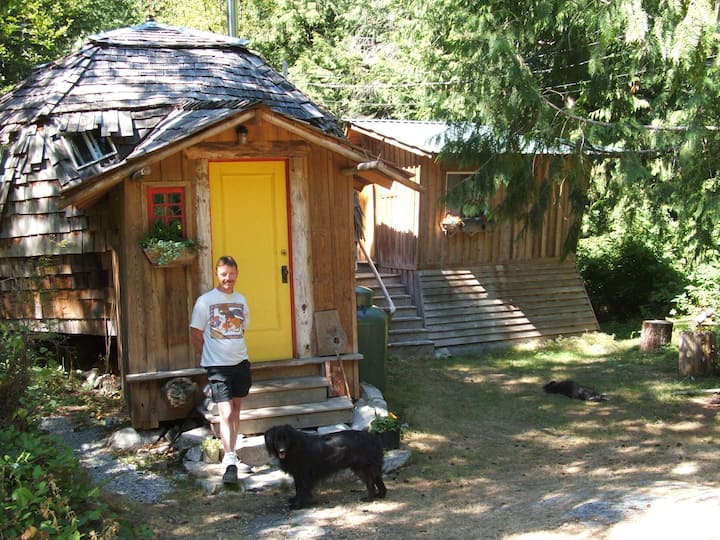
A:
[(391, 304)]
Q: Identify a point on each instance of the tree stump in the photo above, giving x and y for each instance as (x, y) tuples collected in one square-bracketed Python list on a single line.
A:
[(655, 334), (698, 353)]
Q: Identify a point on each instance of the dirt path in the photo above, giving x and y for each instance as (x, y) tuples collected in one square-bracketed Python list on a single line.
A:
[(663, 487)]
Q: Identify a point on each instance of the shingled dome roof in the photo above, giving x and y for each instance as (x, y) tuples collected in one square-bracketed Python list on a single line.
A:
[(131, 92), (154, 66)]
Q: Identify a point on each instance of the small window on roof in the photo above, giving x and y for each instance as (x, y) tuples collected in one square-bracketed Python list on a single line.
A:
[(88, 147), (166, 210)]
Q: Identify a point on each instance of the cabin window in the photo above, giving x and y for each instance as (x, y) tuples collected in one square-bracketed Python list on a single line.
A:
[(458, 199), (88, 148), (166, 209)]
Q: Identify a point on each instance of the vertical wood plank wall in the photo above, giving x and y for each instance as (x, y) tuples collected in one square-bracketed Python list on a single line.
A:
[(401, 243)]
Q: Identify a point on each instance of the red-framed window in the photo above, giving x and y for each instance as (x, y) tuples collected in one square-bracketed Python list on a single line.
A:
[(166, 208)]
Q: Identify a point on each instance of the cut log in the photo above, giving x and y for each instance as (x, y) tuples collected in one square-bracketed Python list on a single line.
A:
[(181, 392), (697, 353), (655, 334)]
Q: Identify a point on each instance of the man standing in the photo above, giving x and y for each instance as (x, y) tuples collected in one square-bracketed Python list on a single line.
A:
[(217, 328)]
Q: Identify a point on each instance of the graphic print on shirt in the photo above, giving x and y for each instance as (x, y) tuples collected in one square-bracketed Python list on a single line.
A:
[(227, 321)]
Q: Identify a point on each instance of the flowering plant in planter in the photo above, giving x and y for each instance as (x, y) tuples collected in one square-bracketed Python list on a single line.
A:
[(166, 243), (212, 449), (380, 424)]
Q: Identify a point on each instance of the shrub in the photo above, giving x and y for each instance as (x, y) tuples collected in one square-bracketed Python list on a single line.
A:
[(627, 279), (702, 290), (16, 360), (45, 493)]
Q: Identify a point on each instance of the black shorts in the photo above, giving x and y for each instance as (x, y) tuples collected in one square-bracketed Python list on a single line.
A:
[(229, 382)]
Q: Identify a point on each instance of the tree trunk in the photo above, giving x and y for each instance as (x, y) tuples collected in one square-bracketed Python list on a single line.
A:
[(655, 334), (698, 353)]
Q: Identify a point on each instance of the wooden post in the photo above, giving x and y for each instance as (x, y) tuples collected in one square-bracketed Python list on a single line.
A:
[(698, 353), (655, 334)]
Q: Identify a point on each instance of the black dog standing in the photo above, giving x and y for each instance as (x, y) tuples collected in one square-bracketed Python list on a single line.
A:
[(309, 458)]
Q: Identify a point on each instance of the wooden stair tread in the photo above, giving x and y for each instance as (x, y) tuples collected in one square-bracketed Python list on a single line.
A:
[(288, 383), (332, 404)]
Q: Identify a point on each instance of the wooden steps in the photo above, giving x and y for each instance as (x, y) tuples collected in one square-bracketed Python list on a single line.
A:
[(294, 392), (337, 410), (472, 308), (407, 335)]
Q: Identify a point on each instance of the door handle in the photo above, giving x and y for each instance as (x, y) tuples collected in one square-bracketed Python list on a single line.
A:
[(284, 273)]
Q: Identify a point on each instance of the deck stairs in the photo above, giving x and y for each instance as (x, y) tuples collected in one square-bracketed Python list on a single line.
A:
[(407, 335), (294, 392)]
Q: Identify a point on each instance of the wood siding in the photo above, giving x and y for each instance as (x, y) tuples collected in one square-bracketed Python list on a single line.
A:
[(405, 231), (55, 270), (495, 286)]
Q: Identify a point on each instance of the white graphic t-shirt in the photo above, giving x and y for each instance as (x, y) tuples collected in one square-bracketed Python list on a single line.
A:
[(223, 319)]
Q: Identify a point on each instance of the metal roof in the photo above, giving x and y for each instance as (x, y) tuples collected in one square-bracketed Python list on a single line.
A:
[(425, 136), (430, 137)]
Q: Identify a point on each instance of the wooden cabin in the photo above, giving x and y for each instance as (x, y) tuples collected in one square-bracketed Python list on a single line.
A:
[(463, 285), (154, 123)]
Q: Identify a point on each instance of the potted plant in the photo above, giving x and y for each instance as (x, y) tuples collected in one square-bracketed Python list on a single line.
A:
[(389, 429), (211, 448), (166, 246), (451, 224)]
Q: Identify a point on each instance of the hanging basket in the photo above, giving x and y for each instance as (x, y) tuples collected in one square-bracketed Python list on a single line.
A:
[(185, 258)]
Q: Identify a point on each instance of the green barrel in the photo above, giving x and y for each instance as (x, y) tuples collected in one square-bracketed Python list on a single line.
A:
[(372, 326)]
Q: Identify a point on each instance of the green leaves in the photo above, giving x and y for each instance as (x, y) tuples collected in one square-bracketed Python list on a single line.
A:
[(34, 32), (43, 489)]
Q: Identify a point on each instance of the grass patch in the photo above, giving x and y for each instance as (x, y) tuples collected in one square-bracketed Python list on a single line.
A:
[(480, 414)]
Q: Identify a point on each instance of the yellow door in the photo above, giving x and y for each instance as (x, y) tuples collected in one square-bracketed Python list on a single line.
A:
[(249, 219)]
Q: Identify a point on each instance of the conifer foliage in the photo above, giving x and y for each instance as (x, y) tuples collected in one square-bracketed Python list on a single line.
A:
[(631, 86)]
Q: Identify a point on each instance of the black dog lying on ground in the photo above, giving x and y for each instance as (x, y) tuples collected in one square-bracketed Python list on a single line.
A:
[(572, 389), (309, 458)]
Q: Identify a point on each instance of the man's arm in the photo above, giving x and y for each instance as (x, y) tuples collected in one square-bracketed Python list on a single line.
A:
[(197, 338)]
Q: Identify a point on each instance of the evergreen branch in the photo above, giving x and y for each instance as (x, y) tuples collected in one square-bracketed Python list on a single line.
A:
[(616, 125)]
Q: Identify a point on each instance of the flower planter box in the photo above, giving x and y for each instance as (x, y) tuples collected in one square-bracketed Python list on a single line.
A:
[(187, 256)]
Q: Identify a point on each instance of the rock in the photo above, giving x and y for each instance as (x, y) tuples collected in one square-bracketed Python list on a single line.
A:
[(394, 459), (369, 393), (192, 437), (128, 438), (251, 450), (271, 478), (363, 414), (323, 430), (194, 454)]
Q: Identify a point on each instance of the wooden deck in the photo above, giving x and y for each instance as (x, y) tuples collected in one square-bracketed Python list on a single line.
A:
[(470, 309)]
